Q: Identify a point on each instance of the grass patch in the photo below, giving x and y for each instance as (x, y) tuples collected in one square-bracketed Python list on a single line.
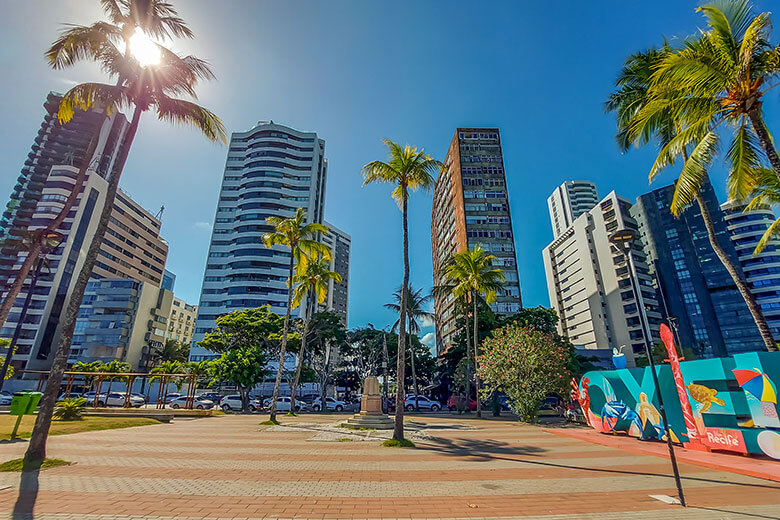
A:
[(291, 414), (349, 427), (87, 424), (270, 422), (16, 464), (392, 443), (345, 439)]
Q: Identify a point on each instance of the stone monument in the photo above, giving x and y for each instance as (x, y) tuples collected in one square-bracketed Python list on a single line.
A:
[(370, 415)]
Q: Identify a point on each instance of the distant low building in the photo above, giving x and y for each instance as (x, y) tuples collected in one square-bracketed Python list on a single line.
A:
[(181, 323)]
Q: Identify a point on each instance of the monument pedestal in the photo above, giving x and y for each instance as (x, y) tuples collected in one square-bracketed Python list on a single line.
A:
[(370, 415)]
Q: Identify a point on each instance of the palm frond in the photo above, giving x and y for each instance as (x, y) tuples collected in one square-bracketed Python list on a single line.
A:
[(772, 232), (694, 172), (87, 96), (82, 42), (744, 158), (179, 111)]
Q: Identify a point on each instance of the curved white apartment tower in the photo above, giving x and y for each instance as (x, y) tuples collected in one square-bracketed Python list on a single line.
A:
[(271, 170), (570, 200)]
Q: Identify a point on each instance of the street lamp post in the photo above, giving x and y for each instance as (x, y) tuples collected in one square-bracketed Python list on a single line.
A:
[(623, 239), (49, 241)]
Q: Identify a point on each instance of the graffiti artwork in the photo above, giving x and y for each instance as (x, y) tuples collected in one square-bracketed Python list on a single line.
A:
[(711, 404)]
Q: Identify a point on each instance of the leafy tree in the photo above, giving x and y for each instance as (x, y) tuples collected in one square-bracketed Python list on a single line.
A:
[(313, 280), (327, 338), (174, 350), (407, 169), (526, 365), (243, 328), (143, 86), (301, 239), (633, 95), (244, 367), (91, 367), (5, 343), (471, 275), (170, 367), (415, 303)]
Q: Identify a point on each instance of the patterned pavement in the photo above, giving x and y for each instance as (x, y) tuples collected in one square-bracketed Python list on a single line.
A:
[(230, 467)]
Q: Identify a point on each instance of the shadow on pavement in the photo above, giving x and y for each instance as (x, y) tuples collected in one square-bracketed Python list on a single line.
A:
[(28, 494), (498, 450)]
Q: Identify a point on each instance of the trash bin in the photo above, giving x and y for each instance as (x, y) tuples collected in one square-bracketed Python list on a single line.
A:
[(24, 403)]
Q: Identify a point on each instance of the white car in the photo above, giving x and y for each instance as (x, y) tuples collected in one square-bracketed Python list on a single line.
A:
[(233, 402), (118, 399), (283, 404), (5, 398), (197, 403), (330, 403), (424, 403)]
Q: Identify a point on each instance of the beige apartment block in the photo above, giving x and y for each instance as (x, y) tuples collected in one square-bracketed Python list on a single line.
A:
[(132, 247), (181, 322), (589, 285)]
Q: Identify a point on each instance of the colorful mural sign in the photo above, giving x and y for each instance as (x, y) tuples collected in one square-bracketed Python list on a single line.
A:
[(712, 404)]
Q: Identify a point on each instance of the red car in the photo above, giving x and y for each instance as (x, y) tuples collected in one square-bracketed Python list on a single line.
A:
[(454, 403)]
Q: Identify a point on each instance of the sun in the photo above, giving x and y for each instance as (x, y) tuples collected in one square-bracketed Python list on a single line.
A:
[(144, 49)]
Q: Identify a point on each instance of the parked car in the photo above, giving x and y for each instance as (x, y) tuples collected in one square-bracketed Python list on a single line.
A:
[(197, 403), (330, 404), (454, 403), (422, 402), (172, 396), (233, 402), (5, 398), (118, 399), (283, 404), (211, 396), (90, 397)]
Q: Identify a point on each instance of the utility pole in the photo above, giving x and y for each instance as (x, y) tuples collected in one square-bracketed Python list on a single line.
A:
[(385, 401)]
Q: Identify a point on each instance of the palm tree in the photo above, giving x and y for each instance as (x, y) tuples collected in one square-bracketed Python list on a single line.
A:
[(415, 303), (629, 99), (115, 367), (471, 274), (720, 75), (169, 367), (157, 18), (407, 169), (301, 239), (313, 281), (90, 367), (143, 86)]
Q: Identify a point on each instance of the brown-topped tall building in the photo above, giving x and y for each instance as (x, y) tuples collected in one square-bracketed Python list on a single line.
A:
[(470, 207)]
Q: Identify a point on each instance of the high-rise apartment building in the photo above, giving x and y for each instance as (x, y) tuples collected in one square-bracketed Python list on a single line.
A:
[(471, 207), (271, 170), (337, 300), (570, 200), (181, 323), (762, 271), (121, 318), (48, 177), (589, 285), (697, 295), (168, 280)]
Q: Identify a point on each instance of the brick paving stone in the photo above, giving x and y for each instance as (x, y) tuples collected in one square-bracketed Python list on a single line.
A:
[(231, 468)]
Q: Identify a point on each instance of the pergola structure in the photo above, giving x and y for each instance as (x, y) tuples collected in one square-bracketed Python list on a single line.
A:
[(130, 377)]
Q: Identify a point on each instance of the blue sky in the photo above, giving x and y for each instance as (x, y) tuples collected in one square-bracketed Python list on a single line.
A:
[(359, 71)]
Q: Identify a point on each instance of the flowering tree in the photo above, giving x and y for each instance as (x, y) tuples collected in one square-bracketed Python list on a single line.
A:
[(525, 364)]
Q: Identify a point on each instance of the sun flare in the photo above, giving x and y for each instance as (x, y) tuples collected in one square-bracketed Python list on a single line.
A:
[(144, 49)]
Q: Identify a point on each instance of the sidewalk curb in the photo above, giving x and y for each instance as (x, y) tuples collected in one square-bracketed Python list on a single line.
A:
[(763, 469)]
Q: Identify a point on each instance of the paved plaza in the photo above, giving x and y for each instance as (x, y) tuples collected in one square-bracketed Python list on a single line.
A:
[(232, 467)]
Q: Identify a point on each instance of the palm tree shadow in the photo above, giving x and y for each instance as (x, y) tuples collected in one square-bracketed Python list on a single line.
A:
[(738, 513), (28, 494), (484, 450)]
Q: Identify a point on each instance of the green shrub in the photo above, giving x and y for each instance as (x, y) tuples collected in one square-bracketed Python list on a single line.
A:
[(70, 409), (392, 443)]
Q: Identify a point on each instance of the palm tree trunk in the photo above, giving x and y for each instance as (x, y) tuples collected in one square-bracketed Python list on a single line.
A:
[(465, 403), (736, 275), (476, 344), (324, 374), (400, 390), (36, 450), (414, 377), (36, 246), (283, 350), (763, 136), (294, 391)]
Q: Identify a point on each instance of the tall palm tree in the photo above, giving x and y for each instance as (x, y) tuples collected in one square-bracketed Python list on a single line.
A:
[(157, 18), (312, 282), (471, 274), (720, 75), (144, 86), (90, 367), (407, 169), (169, 367), (628, 100), (415, 303), (301, 239)]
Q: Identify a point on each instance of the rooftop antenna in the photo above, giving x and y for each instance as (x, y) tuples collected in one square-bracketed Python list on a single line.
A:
[(159, 213)]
